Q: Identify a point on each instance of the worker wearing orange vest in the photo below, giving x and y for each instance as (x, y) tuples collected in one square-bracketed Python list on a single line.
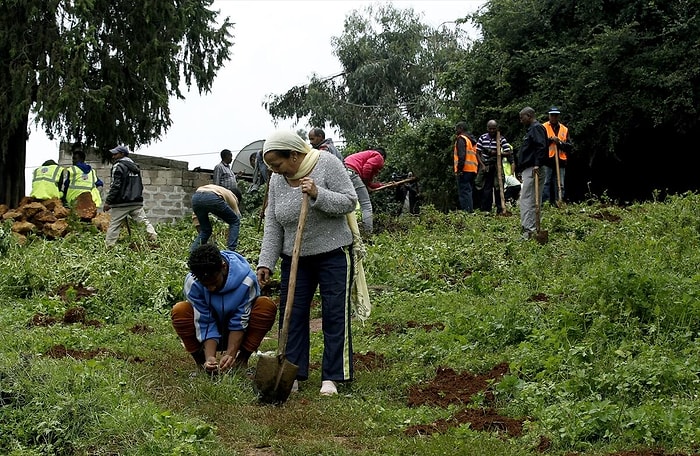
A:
[(466, 164), (559, 143)]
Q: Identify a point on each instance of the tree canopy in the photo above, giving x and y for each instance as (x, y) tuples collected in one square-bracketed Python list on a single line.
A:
[(390, 60), (99, 72), (623, 72)]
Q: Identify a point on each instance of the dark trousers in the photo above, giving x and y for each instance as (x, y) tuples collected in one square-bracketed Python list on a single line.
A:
[(331, 273), (491, 192), (465, 189)]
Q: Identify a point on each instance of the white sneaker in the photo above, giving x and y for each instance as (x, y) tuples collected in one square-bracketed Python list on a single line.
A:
[(328, 388), (295, 386)]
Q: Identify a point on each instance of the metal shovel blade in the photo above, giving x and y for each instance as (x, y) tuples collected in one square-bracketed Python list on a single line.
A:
[(274, 377)]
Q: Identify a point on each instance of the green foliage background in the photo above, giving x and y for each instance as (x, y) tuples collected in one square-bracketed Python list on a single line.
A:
[(600, 328), (624, 73)]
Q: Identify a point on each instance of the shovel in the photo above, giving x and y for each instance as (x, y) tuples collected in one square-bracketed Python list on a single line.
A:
[(499, 165), (541, 236), (275, 375), (560, 201)]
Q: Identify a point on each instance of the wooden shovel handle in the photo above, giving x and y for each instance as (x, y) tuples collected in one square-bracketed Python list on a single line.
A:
[(394, 184), (556, 161), (292, 285)]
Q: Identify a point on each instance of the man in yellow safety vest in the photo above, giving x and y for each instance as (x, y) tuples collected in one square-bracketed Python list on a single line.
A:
[(82, 178), (47, 180)]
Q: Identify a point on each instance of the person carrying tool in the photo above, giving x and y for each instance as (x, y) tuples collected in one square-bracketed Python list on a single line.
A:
[(325, 262), (223, 310), (531, 156), (364, 167), (487, 175), (125, 197), (466, 165), (559, 146)]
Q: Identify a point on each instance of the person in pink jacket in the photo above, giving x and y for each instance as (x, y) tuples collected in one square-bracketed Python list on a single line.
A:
[(363, 168)]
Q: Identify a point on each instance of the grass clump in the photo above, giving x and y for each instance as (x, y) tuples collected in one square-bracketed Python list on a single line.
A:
[(599, 328)]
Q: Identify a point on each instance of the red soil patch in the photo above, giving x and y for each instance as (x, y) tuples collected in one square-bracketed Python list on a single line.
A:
[(39, 319), (481, 419), (73, 315), (74, 292), (538, 297), (448, 388), (369, 362), (60, 352)]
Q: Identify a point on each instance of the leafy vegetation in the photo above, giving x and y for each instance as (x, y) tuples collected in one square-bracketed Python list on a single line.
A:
[(621, 71), (599, 328)]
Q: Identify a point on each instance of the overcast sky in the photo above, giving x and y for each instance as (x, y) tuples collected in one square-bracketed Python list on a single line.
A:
[(277, 45)]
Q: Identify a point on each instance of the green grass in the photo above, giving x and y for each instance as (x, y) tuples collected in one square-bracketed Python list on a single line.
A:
[(599, 326)]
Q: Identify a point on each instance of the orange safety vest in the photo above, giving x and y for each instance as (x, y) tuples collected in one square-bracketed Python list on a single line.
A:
[(471, 163), (563, 135)]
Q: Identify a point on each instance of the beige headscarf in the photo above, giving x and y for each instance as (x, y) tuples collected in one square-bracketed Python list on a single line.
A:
[(288, 140)]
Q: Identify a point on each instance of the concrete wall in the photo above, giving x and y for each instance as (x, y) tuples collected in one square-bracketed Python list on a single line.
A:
[(167, 184)]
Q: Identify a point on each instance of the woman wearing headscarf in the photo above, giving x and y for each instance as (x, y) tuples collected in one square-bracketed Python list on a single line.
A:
[(326, 256)]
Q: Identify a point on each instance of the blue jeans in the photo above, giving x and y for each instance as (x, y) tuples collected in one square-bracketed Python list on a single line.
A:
[(465, 188), (331, 273), (205, 203), (551, 189)]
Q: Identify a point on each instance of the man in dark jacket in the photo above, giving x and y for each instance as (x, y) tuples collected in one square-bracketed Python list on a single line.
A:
[(125, 197), (531, 156), (318, 140)]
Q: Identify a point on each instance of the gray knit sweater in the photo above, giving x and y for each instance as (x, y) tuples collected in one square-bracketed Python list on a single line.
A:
[(326, 226)]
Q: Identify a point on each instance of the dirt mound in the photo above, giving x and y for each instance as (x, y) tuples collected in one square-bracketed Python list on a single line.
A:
[(74, 292), (449, 387), (480, 419), (71, 316), (368, 362), (538, 297), (40, 319)]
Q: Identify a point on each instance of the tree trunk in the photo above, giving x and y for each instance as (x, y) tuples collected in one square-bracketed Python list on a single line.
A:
[(12, 163)]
